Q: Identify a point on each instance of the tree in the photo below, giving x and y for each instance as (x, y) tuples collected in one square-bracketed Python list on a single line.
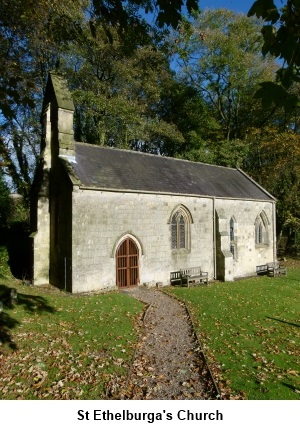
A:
[(40, 31), (32, 39), (5, 204), (117, 91), (281, 33), (181, 104), (274, 161), (19, 148), (39, 36), (166, 12), (219, 55)]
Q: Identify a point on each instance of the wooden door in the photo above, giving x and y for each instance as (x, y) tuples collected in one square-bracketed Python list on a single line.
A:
[(127, 259)]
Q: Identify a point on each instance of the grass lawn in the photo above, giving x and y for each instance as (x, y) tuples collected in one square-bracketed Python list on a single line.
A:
[(250, 330), (54, 345)]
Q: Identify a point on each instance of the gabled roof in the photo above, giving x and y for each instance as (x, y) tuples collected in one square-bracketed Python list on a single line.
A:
[(123, 170)]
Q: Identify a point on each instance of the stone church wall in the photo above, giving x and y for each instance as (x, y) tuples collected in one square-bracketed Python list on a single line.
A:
[(248, 254), (102, 219)]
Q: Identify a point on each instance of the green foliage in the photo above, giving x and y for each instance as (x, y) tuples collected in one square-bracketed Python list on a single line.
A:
[(117, 65), (250, 332), (32, 39), (118, 92), (274, 161), (281, 39), (265, 9), (271, 93), (57, 346), (219, 55), (297, 240), (110, 53), (180, 104), (5, 204), (5, 272), (168, 13)]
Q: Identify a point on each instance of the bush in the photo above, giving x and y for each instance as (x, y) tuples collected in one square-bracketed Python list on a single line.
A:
[(5, 205)]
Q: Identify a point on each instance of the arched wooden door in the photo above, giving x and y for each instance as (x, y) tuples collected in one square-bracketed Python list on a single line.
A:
[(127, 260)]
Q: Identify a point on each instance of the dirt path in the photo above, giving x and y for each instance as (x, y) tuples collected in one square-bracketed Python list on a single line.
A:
[(166, 364)]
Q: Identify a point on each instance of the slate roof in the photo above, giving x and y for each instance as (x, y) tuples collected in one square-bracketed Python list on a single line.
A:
[(117, 169)]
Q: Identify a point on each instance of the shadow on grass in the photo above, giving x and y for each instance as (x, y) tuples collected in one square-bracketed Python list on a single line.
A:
[(30, 303), (16, 241), (291, 387), (283, 321)]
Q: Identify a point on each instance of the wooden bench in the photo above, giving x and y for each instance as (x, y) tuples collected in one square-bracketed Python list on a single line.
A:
[(193, 275), (175, 277), (262, 269), (271, 269), (275, 269)]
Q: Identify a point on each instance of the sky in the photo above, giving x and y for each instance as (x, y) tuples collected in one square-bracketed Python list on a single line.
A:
[(235, 5)]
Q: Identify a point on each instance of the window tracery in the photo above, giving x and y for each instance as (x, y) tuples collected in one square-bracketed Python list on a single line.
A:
[(180, 229)]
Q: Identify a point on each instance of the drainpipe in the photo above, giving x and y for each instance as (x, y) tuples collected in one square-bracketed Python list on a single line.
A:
[(214, 239)]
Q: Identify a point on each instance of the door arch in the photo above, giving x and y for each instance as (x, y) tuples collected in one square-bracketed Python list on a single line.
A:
[(127, 263)]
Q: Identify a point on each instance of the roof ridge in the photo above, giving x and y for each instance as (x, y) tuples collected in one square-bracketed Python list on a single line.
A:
[(155, 155)]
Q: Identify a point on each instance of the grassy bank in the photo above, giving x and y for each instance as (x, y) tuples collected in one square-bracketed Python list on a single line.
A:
[(251, 334), (57, 346)]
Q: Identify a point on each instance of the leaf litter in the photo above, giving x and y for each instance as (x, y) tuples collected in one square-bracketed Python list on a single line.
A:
[(166, 365)]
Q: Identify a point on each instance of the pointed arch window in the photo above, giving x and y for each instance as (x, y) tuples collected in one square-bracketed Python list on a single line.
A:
[(233, 237), (261, 229), (231, 230), (259, 233), (180, 229)]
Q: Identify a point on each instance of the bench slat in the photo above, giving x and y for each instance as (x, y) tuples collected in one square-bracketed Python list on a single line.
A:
[(271, 269), (175, 277), (275, 268), (193, 274), (187, 276)]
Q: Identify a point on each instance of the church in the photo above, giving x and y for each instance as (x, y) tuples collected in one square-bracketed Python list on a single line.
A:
[(105, 218)]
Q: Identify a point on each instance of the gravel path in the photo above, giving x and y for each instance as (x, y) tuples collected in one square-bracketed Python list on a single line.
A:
[(166, 363)]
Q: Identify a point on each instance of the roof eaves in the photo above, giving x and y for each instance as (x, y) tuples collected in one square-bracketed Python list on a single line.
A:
[(130, 191)]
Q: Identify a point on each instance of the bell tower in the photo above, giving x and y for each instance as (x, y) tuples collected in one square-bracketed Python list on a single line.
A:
[(57, 142)]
